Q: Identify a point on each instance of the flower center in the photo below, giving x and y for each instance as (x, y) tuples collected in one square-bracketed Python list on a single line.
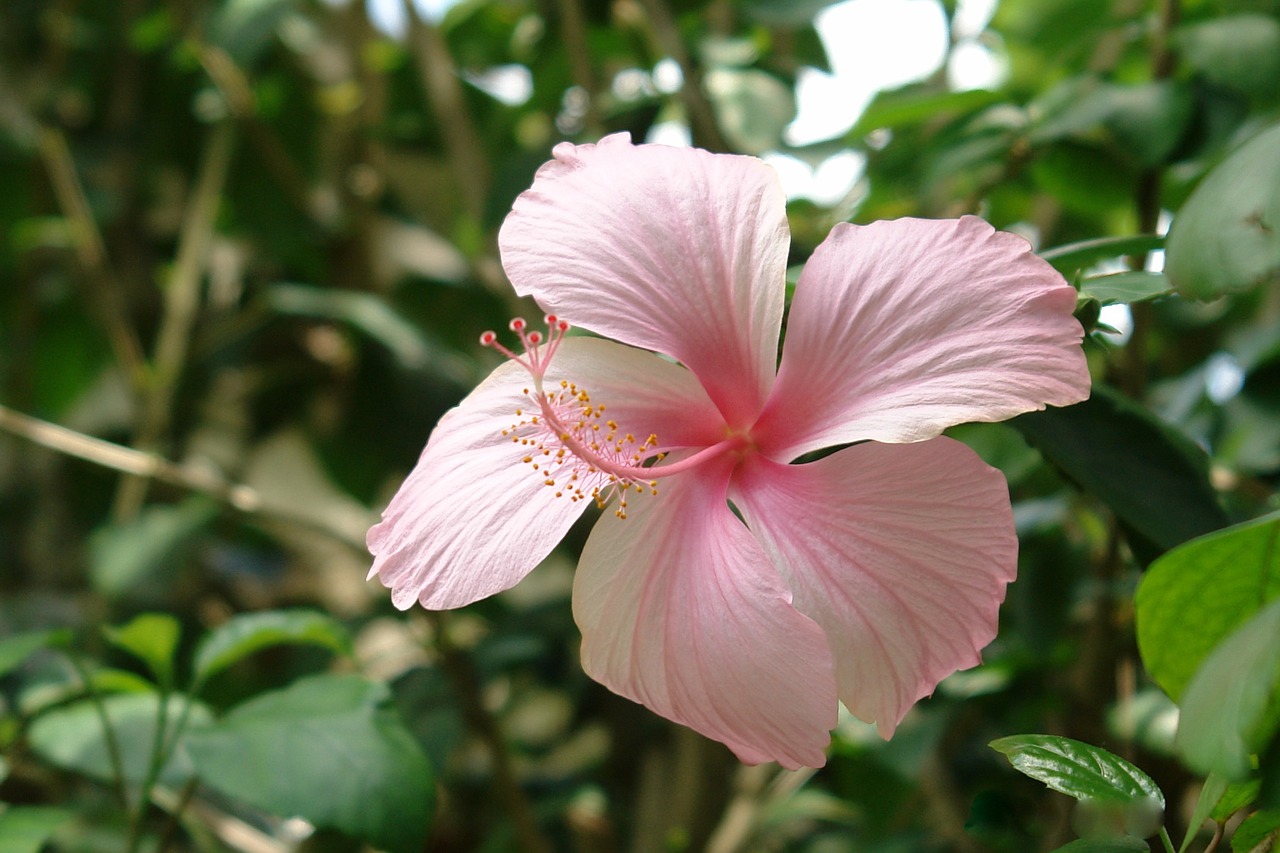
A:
[(572, 445)]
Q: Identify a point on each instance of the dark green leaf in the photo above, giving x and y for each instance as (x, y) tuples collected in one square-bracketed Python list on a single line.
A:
[(1126, 287), (1078, 769), (1193, 597), (25, 829), (329, 749), (1226, 237), (909, 106), (1120, 844), (153, 639), (1241, 52), (1230, 709), (125, 556), (1152, 477), (1077, 256), (16, 649), (243, 635)]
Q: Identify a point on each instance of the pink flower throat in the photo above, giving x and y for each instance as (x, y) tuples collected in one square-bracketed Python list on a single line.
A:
[(572, 445)]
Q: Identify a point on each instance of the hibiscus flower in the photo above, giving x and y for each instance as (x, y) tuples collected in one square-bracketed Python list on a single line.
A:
[(742, 584)]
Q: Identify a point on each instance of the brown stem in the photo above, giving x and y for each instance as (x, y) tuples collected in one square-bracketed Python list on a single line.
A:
[(444, 93), (702, 119), (91, 253), (462, 675), (181, 305)]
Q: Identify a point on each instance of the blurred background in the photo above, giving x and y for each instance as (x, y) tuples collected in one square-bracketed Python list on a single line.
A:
[(247, 247)]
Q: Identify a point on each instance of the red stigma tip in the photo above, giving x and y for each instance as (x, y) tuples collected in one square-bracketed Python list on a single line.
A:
[(517, 324), (551, 320), (487, 339), (535, 338)]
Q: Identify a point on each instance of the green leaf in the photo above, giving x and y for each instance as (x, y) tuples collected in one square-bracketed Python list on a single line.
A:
[(329, 749), (752, 107), (1077, 256), (1241, 52), (126, 556), (1193, 597), (1226, 237), (71, 736), (1230, 708), (911, 105), (25, 829), (1251, 835), (1153, 477), (153, 639), (1236, 796), (242, 635), (1125, 287), (1078, 769), (16, 649), (1211, 794), (1119, 844)]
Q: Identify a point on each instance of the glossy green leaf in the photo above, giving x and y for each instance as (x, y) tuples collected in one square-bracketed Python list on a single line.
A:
[(25, 829), (243, 635), (1193, 597), (16, 649), (1077, 256), (1226, 237), (71, 736), (329, 749), (1149, 474), (1230, 709), (153, 639), (1126, 287), (1078, 769)]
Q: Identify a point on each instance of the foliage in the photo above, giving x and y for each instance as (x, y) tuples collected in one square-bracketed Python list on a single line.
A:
[(248, 247)]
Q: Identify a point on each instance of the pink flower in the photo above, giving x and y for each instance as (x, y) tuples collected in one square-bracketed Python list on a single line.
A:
[(744, 593)]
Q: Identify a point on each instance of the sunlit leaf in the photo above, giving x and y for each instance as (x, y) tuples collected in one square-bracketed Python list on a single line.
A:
[(1192, 598), (25, 829), (1126, 287), (329, 749), (1252, 835), (242, 635), (152, 638)]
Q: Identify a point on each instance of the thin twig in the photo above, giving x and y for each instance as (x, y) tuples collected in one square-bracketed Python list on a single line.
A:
[(443, 90), (181, 305), (702, 118), (91, 253)]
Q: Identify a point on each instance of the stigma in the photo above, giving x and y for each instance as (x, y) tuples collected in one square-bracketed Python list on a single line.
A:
[(570, 441)]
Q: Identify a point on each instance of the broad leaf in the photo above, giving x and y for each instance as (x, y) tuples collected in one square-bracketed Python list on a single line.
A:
[(1193, 597), (1226, 237), (241, 636), (1126, 287), (71, 736), (1251, 836), (152, 638), (1154, 478), (1078, 769), (329, 749), (16, 649), (1077, 256), (1230, 709), (126, 556), (25, 829)]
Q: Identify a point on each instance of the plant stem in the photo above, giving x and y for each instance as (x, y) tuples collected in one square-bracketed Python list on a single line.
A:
[(154, 765), (1166, 840), (114, 755)]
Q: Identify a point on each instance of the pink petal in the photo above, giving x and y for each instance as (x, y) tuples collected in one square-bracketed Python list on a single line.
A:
[(901, 329), (672, 249), (900, 552), (472, 518), (681, 611)]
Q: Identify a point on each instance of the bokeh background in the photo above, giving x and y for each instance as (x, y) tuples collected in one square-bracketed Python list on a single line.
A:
[(247, 247)]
